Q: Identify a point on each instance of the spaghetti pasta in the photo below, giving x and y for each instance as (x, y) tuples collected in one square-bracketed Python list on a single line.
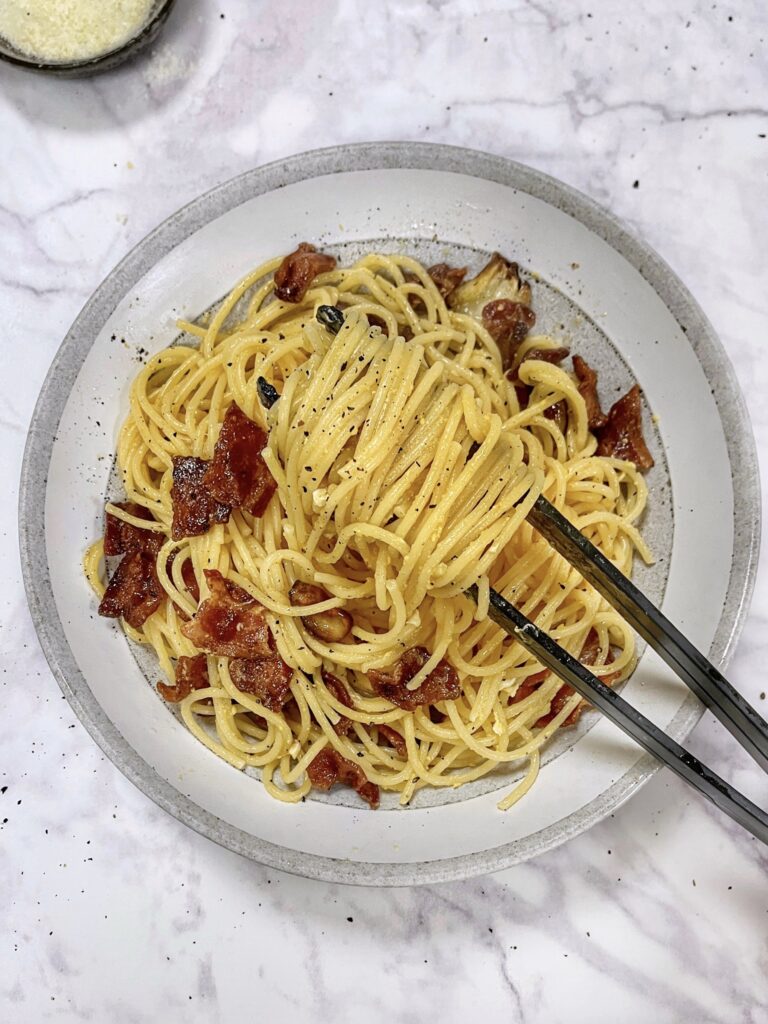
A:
[(404, 452)]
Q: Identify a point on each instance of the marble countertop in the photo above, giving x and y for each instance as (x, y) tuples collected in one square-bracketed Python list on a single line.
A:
[(113, 911)]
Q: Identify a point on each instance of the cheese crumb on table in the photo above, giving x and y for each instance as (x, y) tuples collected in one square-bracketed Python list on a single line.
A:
[(70, 30)]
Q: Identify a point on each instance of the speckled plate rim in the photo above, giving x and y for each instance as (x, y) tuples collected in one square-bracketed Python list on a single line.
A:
[(208, 207)]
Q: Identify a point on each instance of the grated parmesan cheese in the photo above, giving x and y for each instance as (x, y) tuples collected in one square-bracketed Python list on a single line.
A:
[(68, 30)]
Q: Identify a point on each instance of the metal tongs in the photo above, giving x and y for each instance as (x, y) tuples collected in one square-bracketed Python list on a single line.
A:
[(709, 685)]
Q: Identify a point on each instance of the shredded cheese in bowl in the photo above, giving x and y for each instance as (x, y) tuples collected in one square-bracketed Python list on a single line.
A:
[(71, 30)]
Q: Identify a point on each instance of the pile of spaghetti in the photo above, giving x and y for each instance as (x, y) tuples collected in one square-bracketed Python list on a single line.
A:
[(313, 482)]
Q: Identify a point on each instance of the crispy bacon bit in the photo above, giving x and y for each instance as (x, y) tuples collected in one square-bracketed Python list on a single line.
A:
[(528, 686), (417, 303), (405, 331), (330, 626), (304, 594), (238, 475), (546, 355), (559, 414), (191, 674), (447, 278), (523, 393), (256, 719), (588, 656), (268, 679), (298, 270), (559, 701), (339, 692), (587, 378), (508, 323), (622, 436), (229, 622), (329, 767), (290, 711), (394, 739), (194, 508), (122, 538), (500, 297), (134, 592), (190, 580), (442, 683)]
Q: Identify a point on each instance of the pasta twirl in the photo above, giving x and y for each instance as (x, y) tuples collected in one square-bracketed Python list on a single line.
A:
[(405, 465)]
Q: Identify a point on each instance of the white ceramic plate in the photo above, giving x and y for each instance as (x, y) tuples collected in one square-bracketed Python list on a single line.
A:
[(607, 294)]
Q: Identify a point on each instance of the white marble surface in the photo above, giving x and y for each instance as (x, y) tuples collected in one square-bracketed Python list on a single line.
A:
[(114, 912)]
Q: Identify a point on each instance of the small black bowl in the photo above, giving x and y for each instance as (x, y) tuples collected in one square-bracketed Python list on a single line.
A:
[(92, 65)]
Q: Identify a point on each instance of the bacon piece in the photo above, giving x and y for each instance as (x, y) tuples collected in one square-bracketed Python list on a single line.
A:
[(338, 690), (447, 278), (194, 508), (563, 695), (329, 767), (229, 622), (122, 538), (523, 393), (559, 413), (134, 592), (507, 322), (588, 656), (256, 719), (298, 270), (546, 355), (238, 475), (394, 739), (622, 436), (405, 332), (559, 410), (417, 303), (587, 378), (290, 711), (528, 686), (302, 594), (191, 674), (330, 626), (442, 683), (268, 679), (190, 580), (591, 649)]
